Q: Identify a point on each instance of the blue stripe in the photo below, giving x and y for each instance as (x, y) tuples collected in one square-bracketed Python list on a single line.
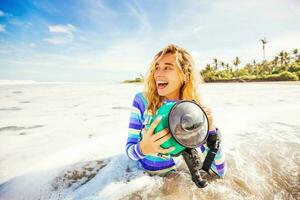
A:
[(135, 115), (133, 136), (142, 96), (156, 158), (134, 120)]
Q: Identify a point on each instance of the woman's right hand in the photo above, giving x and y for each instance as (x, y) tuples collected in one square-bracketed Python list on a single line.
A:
[(151, 142)]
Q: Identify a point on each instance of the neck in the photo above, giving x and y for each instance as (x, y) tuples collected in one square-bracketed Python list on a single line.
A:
[(173, 96)]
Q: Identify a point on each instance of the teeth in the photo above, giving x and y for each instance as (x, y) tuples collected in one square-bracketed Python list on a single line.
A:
[(161, 82)]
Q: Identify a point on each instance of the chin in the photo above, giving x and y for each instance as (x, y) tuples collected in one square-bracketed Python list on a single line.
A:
[(161, 93)]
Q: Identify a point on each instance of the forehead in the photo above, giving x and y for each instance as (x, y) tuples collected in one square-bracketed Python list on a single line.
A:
[(167, 58)]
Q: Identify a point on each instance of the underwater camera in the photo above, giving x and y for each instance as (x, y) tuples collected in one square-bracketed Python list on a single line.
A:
[(188, 125)]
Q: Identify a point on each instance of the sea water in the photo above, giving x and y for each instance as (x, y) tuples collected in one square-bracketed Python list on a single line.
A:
[(67, 141)]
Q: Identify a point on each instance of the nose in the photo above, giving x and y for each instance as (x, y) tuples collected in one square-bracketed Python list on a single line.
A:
[(158, 72)]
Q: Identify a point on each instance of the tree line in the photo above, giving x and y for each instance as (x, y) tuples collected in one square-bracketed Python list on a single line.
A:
[(283, 67)]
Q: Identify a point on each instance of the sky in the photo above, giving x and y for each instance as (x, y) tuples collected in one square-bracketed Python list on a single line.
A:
[(104, 40)]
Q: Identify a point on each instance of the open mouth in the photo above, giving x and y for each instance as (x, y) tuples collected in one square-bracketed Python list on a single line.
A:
[(162, 84)]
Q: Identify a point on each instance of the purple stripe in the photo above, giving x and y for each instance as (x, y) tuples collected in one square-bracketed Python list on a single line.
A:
[(128, 145), (139, 103), (139, 151), (153, 166), (134, 153), (221, 172), (221, 166), (212, 132), (136, 126), (132, 140), (202, 148), (127, 150)]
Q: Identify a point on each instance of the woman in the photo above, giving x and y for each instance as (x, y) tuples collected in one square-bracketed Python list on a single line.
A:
[(171, 77)]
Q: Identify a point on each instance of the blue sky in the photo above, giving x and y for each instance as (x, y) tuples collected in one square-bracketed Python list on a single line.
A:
[(100, 40)]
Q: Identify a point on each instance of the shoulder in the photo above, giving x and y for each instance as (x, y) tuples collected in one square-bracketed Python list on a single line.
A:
[(140, 98), (140, 101)]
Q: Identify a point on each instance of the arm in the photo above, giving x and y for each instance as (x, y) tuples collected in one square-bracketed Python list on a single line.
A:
[(133, 150)]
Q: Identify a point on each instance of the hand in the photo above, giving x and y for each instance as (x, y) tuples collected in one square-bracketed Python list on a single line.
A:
[(151, 142), (210, 118), (214, 140)]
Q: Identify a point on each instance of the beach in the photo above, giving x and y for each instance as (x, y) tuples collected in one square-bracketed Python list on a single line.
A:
[(51, 130)]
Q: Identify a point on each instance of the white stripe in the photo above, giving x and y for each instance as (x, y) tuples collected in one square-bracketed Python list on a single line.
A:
[(135, 148), (130, 154), (134, 131)]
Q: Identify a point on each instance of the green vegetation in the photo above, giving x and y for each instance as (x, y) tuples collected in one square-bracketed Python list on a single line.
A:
[(138, 79), (284, 67)]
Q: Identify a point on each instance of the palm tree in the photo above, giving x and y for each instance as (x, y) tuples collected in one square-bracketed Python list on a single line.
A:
[(227, 66), (222, 64), (275, 64), (255, 66), (264, 42), (208, 67), (216, 63), (287, 60), (281, 58), (236, 62), (275, 61), (249, 68), (284, 58), (296, 55)]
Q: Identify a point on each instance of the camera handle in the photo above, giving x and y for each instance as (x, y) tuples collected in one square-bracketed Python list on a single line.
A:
[(193, 162)]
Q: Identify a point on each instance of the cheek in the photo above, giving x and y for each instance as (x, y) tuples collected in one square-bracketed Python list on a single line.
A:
[(175, 81)]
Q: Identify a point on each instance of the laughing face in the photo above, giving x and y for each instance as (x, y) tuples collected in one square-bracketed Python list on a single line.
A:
[(167, 77)]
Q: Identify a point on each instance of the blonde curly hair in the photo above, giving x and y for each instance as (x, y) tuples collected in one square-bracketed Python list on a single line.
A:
[(189, 88)]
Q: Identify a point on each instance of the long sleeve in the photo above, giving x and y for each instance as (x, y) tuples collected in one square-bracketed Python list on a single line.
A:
[(219, 165), (133, 150)]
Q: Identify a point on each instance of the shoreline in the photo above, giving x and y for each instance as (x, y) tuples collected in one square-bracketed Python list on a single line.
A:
[(256, 82)]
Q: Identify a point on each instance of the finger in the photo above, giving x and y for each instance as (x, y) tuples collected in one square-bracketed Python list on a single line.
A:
[(164, 151), (163, 139), (154, 124), (160, 134), (208, 110)]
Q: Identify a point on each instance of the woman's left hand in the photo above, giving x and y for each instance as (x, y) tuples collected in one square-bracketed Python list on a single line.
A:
[(209, 114)]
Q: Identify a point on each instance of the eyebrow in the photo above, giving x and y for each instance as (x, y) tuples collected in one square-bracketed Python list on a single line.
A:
[(165, 64)]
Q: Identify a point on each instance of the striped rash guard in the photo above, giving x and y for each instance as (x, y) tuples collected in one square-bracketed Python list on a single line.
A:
[(156, 164)]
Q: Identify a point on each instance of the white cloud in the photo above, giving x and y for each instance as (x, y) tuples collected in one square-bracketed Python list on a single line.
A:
[(57, 40), (32, 44), (140, 14), (2, 13), (17, 22), (67, 29), (2, 28)]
